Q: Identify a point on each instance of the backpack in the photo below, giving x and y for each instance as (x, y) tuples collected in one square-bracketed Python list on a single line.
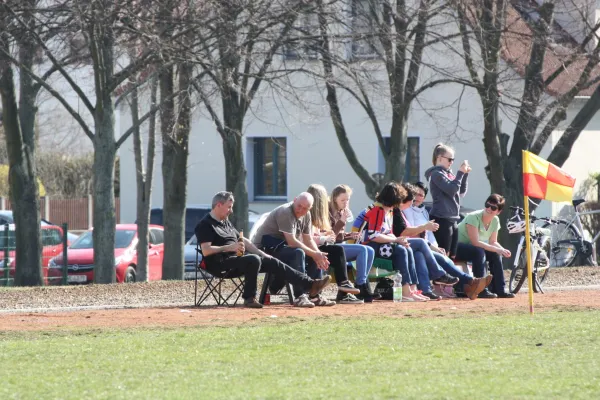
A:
[(385, 287)]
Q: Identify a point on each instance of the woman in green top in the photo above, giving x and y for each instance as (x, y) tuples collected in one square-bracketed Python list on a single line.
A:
[(478, 243)]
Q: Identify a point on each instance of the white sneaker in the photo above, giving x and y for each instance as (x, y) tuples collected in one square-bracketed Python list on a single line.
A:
[(321, 300), (303, 301)]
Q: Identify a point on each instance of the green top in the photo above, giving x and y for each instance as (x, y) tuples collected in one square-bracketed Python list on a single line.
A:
[(475, 219)]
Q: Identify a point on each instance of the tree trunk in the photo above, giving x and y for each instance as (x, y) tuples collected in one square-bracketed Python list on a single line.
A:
[(175, 133), (235, 178), (104, 193), (144, 177), (395, 162), (19, 125)]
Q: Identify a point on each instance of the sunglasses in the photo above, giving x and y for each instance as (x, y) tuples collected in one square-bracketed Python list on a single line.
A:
[(448, 158), (491, 206)]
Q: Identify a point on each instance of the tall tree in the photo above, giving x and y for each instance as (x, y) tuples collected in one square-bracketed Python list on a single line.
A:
[(237, 64), (18, 118), (144, 173), (397, 33), (495, 27), (103, 25)]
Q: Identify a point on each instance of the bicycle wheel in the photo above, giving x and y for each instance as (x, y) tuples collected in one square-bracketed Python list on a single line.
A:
[(542, 274), (563, 252), (518, 274)]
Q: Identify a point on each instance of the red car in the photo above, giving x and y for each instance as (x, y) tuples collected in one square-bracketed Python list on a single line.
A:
[(80, 256), (51, 236)]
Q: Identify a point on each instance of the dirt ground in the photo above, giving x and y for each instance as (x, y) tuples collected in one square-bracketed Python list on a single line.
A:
[(224, 316)]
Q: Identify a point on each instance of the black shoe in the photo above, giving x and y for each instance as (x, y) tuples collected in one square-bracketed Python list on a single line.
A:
[(506, 295), (486, 294), (366, 293), (446, 280), (252, 303), (431, 295)]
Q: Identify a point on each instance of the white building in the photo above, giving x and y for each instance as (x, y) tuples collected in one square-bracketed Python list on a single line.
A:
[(289, 145)]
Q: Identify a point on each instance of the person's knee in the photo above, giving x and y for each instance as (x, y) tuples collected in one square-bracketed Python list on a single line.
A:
[(298, 259), (253, 262), (479, 254), (418, 243)]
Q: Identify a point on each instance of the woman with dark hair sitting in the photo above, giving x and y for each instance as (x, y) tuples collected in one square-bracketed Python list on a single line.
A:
[(375, 229), (478, 243)]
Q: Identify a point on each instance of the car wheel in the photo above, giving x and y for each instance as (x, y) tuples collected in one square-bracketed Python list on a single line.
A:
[(130, 276)]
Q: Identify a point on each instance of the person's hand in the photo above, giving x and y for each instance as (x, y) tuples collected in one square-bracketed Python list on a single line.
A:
[(432, 226), (351, 235), (321, 260), (505, 253), (401, 240), (465, 167), (238, 247), (344, 214), (439, 250), (330, 238)]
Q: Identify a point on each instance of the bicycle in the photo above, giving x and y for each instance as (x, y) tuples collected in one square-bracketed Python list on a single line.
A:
[(540, 248), (568, 244)]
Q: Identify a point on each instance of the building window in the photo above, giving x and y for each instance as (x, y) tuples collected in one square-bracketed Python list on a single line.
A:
[(413, 160), (270, 168), (365, 32), (303, 42)]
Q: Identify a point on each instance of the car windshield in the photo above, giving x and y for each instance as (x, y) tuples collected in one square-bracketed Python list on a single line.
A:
[(122, 239)]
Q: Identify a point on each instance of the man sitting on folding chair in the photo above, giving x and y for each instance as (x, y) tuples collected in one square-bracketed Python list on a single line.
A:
[(220, 248)]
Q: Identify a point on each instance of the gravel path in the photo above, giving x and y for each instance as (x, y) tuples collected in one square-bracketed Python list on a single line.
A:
[(178, 293)]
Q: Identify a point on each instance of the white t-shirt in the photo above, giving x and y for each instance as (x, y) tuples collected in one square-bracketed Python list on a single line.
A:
[(419, 216)]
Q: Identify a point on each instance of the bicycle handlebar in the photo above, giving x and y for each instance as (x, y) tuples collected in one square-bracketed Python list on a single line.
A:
[(532, 218)]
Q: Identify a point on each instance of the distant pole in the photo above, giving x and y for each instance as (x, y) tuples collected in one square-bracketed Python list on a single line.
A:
[(47, 208), (90, 211)]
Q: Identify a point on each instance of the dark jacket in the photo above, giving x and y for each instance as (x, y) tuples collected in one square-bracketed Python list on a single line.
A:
[(446, 190)]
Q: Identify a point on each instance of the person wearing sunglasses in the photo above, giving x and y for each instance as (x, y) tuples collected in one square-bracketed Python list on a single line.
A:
[(446, 191), (478, 243)]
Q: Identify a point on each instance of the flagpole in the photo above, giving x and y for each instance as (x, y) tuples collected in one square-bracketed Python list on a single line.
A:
[(528, 253)]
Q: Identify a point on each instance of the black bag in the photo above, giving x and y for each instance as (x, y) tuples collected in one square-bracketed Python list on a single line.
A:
[(385, 287)]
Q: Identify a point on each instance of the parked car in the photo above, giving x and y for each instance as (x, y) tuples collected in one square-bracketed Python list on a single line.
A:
[(51, 237), (193, 214), (80, 256), (6, 217), (189, 253)]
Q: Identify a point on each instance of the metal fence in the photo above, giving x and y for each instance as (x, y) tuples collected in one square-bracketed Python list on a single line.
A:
[(54, 254), (77, 213)]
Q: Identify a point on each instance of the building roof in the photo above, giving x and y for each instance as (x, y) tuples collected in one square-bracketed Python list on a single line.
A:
[(516, 50)]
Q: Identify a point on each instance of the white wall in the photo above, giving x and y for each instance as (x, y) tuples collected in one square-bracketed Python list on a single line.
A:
[(446, 113)]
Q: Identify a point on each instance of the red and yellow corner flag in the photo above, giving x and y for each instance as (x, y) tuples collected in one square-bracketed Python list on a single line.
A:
[(544, 180)]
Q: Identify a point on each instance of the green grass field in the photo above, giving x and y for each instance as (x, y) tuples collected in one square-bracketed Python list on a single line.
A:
[(554, 355)]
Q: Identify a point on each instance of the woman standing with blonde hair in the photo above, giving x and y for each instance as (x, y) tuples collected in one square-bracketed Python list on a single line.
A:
[(324, 237), (446, 191), (339, 215)]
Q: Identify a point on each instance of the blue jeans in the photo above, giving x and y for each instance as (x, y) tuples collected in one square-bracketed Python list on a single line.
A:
[(402, 260), (363, 255), (425, 264), (296, 258), (478, 257), (452, 270)]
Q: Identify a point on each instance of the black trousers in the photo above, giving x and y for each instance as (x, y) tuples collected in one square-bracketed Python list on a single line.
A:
[(337, 261), (249, 265), (447, 235)]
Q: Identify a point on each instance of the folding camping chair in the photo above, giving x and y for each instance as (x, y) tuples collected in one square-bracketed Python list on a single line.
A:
[(214, 283)]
